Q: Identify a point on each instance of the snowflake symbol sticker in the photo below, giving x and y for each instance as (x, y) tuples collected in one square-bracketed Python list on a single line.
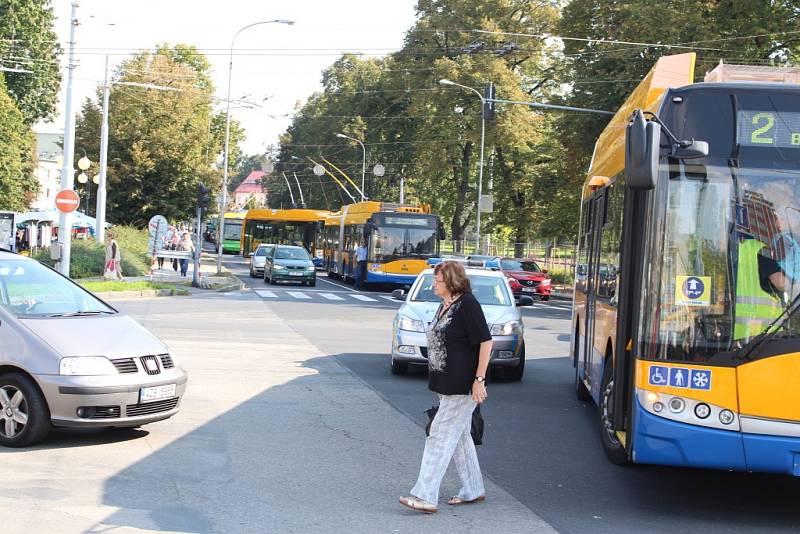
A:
[(700, 379)]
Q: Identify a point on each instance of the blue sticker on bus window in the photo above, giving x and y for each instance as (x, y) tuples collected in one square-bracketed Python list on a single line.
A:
[(658, 375), (700, 379), (679, 377)]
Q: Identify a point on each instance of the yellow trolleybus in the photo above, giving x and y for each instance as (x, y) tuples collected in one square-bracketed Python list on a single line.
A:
[(301, 227), (400, 239), (685, 323)]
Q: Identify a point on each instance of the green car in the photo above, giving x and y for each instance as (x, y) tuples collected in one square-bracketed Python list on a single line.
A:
[(290, 264)]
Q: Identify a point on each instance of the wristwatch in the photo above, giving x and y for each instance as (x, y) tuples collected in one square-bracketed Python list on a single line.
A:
[(480, 379)]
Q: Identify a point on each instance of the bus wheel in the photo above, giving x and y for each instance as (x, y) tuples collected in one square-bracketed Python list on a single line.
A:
[(614, 450), (580, 388)]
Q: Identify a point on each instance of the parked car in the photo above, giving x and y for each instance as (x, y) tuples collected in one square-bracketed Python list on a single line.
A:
[(258, 258), (68, 359), (290, 264), (409, 343), (526, 277)]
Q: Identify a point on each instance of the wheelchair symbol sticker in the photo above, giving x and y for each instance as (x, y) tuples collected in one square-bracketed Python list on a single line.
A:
[(659, 375), (700, 379), (692, 290)]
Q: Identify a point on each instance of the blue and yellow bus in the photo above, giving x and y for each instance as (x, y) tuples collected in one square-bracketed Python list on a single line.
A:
[(692, 351), (301, 227), (400, 239)]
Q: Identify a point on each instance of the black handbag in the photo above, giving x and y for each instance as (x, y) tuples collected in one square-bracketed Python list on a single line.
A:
[(477, 423)]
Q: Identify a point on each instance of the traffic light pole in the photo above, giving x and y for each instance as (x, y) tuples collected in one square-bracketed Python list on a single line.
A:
[(198, 249)]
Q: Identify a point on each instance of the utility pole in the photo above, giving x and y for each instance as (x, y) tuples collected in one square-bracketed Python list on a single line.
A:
[(67, 172), (100, 212)]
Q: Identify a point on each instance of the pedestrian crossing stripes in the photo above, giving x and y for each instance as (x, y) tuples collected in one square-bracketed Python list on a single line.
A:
[(298, 295), (387, 297), (363, 298), (330, 296), (266, 294)]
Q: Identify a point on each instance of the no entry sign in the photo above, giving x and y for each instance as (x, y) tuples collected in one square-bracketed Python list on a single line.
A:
[(67, 201)]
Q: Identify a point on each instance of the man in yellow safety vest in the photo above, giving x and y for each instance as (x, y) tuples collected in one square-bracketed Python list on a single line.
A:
[(760, 284)]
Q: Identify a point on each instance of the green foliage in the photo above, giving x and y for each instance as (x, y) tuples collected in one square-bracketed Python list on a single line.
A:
[(87, 257), (161, 143), (27, 34), (17, 184)]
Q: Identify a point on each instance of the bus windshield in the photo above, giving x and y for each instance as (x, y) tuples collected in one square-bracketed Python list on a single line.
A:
[(233, 229), (390, 243), (729, 259)]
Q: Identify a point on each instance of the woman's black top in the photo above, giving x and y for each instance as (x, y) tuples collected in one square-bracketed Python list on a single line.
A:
[(454, 344)]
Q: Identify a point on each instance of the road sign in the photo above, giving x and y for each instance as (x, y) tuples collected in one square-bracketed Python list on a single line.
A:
[(67, 201), (379, 170), (158, 229)]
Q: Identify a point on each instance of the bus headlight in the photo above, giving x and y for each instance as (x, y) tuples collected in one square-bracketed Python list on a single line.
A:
[(726, 417), (702, 410), (676, 405), (410, 325)]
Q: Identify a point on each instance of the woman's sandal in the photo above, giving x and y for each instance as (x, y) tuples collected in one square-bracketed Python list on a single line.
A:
[(456, 500), (419, 505)]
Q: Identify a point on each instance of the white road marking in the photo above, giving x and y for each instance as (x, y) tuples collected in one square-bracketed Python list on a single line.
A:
[(298, 295), (363, 298), (321, 279), (330, 296), (388, 297), (266, 294)]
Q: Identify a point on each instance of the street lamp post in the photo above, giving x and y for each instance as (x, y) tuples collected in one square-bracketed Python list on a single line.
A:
[(363, 161), (480, 167), (228, 135), (100, 210)]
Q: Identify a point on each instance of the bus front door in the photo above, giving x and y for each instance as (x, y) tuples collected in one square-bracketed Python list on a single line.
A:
[(592, 361)]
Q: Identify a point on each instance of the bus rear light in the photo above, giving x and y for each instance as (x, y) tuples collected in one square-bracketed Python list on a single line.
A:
[(726, 417), (676, 405), (702, 410)]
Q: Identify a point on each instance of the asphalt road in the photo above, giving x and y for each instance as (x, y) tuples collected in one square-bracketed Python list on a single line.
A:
[(541, 444)]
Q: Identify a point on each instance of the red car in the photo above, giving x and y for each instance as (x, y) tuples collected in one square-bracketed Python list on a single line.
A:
[(526, 277)]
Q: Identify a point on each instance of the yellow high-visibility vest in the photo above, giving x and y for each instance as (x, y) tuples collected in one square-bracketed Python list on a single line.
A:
[(755, 308)]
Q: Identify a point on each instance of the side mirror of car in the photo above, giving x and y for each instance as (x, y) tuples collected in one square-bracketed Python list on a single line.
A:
[(525, 300), (399, 294)]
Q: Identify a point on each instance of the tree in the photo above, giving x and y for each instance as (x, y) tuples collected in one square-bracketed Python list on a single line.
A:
[(17, 185), (28, 42), (161, 143)]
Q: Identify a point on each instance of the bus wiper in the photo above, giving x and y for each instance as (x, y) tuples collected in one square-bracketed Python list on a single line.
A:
[(768, 332), (79, 314)]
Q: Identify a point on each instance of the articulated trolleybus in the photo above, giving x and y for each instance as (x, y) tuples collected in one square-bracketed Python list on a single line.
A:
[(685, 325), (400, 239)]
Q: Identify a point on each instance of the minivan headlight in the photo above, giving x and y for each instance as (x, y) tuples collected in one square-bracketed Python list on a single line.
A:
[(86, 366), (411, 325), (505, 329)]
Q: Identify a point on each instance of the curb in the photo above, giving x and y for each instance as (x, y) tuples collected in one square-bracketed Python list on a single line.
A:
[(144, 293)]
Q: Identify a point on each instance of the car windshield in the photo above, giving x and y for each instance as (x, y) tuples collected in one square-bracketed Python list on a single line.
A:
[(521, 265), (488, 290), (29, 289), (291, 253), (263, 251)]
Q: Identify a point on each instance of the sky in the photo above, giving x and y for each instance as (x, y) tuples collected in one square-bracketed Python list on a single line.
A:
[(278, 62)]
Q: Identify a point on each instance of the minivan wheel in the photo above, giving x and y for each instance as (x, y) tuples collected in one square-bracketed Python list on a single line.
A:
[(25, 418), (515, 373), (399, 368)]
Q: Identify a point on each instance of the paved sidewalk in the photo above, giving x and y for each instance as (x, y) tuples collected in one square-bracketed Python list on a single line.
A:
[(273, 436)]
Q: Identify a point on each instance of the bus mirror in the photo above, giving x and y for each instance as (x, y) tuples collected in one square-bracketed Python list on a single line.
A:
[(698, 149), (642, 140)]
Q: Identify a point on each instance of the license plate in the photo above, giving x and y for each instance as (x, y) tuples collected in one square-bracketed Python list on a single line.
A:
[(528, 290), (155, 393), (295, 274)]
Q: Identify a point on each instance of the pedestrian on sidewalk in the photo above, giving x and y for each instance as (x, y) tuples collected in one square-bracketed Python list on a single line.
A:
[(173, 245), (166, 243), (459, 348), (361, 264), (113, 264), (186, 245)]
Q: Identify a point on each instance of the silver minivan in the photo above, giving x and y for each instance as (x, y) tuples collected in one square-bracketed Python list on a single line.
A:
[(69, 359)]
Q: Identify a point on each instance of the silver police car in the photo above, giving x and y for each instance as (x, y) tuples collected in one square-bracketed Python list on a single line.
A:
[(68, 359), (409, 344)]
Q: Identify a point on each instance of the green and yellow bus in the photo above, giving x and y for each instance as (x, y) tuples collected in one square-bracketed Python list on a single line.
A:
[(301, 227), (231, 241), (399, 238), (685, 323)]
